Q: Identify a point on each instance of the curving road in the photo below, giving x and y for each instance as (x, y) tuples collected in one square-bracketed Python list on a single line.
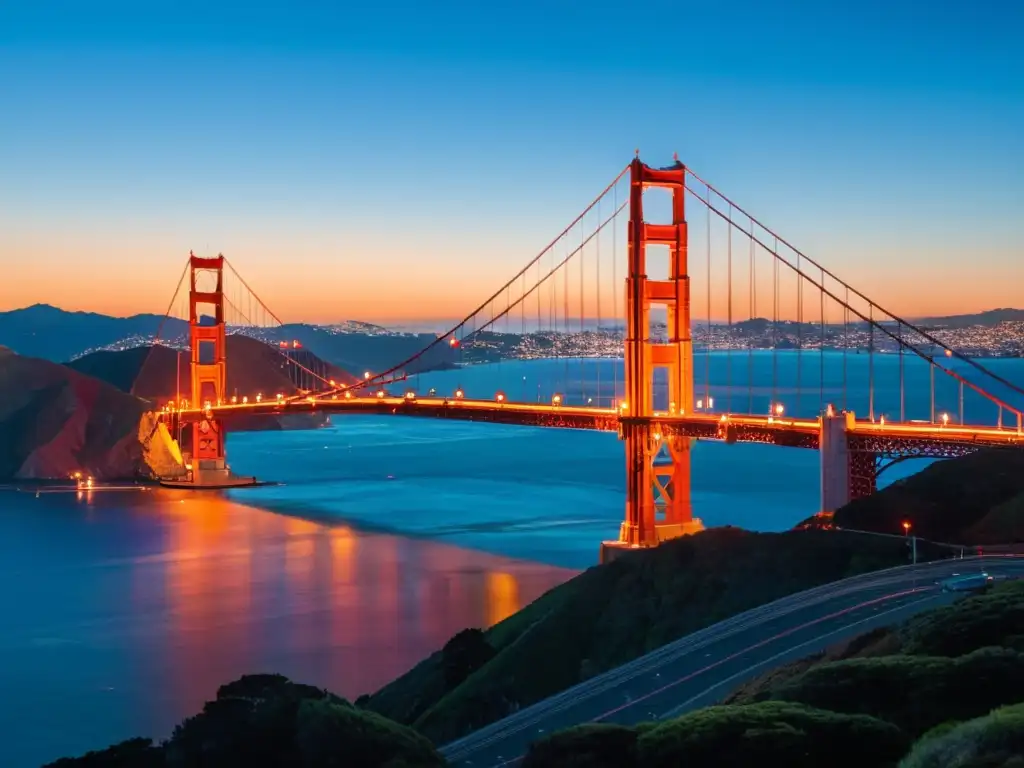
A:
[(701, 668)]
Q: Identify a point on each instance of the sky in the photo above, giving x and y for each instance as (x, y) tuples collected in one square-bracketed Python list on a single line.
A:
[(395, 162)]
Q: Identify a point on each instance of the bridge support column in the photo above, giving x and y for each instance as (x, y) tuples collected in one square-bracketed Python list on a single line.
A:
[(208, 366), (835, 458), (658, 503)]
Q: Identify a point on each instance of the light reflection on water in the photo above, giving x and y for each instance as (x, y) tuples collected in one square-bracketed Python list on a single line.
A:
[(125, 611)]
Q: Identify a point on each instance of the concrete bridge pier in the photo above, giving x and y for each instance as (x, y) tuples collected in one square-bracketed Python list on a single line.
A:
[(835, 459)]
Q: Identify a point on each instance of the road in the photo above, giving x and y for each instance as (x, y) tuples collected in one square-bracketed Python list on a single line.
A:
[(702, 668)]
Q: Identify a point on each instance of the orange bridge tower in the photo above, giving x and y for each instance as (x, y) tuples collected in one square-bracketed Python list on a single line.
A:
[(208, 366), (657, 462)]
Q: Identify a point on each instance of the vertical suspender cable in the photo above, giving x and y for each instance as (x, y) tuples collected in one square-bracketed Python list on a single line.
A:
[(728, 352)]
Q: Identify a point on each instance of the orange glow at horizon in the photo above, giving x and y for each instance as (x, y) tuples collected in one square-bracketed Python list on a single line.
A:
[(441, 285)]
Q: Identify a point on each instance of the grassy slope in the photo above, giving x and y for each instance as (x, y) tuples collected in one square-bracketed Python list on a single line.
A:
[(946, 501), (612, 614)]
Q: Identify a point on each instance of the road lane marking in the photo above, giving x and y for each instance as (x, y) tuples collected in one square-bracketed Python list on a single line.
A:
[(679, 709)]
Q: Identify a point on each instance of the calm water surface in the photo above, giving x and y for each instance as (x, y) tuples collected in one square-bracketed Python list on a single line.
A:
[(124, 611)]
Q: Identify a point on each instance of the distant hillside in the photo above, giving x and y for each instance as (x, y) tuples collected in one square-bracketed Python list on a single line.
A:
[(55, 335), (987, 318), (55, 421), (253, 367), (358, 352)]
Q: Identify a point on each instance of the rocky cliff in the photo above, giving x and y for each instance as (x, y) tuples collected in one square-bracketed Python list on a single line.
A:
[(55, 421)]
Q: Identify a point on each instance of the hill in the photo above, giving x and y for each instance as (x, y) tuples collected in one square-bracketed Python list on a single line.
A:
[(989, 317), (614, 613), (358, 352), (55, 421), (975, 499), (56, 335), (944, 690), (149, 372), (53, 334)]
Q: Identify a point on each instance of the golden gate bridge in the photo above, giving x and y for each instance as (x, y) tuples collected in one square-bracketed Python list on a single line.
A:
[(755, 294)]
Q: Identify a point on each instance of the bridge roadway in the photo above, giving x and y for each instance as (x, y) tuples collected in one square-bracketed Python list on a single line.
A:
[(802, 433), (700, 669)]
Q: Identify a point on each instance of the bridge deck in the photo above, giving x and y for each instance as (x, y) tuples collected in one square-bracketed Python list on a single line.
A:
[(800, 433)]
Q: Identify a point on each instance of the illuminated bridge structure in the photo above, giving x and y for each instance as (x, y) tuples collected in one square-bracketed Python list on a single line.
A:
[(687, 320)]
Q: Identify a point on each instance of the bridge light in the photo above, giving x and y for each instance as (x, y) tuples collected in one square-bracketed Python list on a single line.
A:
[(500, 397), (453, 342), (245, 400), (623, 406), (700, 404), (259, 397), (556, 400), (590, 400), (410, 395), (779, 409), (380, 394), (366, 375), (459, 394), (672, 407), (881, 421), (234, 399), (280, 396), (348, 395), (311, 399), (945, 419), (206, 405), (657, 437), (333, 383), (906, 527), (711, 403), (949, 353)]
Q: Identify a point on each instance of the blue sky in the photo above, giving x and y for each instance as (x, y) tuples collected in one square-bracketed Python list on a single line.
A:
[(883, 139)]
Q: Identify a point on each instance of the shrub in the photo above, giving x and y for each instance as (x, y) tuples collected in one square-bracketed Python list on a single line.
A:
[(994, 741), (771, 733), (914, 692), (597, 745)]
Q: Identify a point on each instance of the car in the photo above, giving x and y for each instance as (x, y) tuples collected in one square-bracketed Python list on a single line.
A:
[(972, 582)]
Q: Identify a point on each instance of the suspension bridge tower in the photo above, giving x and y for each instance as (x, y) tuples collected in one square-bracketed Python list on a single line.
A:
[(657, 462), (208, 367)]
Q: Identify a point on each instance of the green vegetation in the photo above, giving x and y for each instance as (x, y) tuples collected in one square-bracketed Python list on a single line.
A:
[(993, 741), (617, 612), (976, 499), (774, 733), (936, 680), (265, 721)]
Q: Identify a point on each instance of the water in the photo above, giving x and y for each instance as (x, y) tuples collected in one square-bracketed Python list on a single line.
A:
[(125, 610)]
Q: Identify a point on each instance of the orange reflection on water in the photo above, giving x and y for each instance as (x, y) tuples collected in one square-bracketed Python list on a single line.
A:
[(243, 590), (502, 597)]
